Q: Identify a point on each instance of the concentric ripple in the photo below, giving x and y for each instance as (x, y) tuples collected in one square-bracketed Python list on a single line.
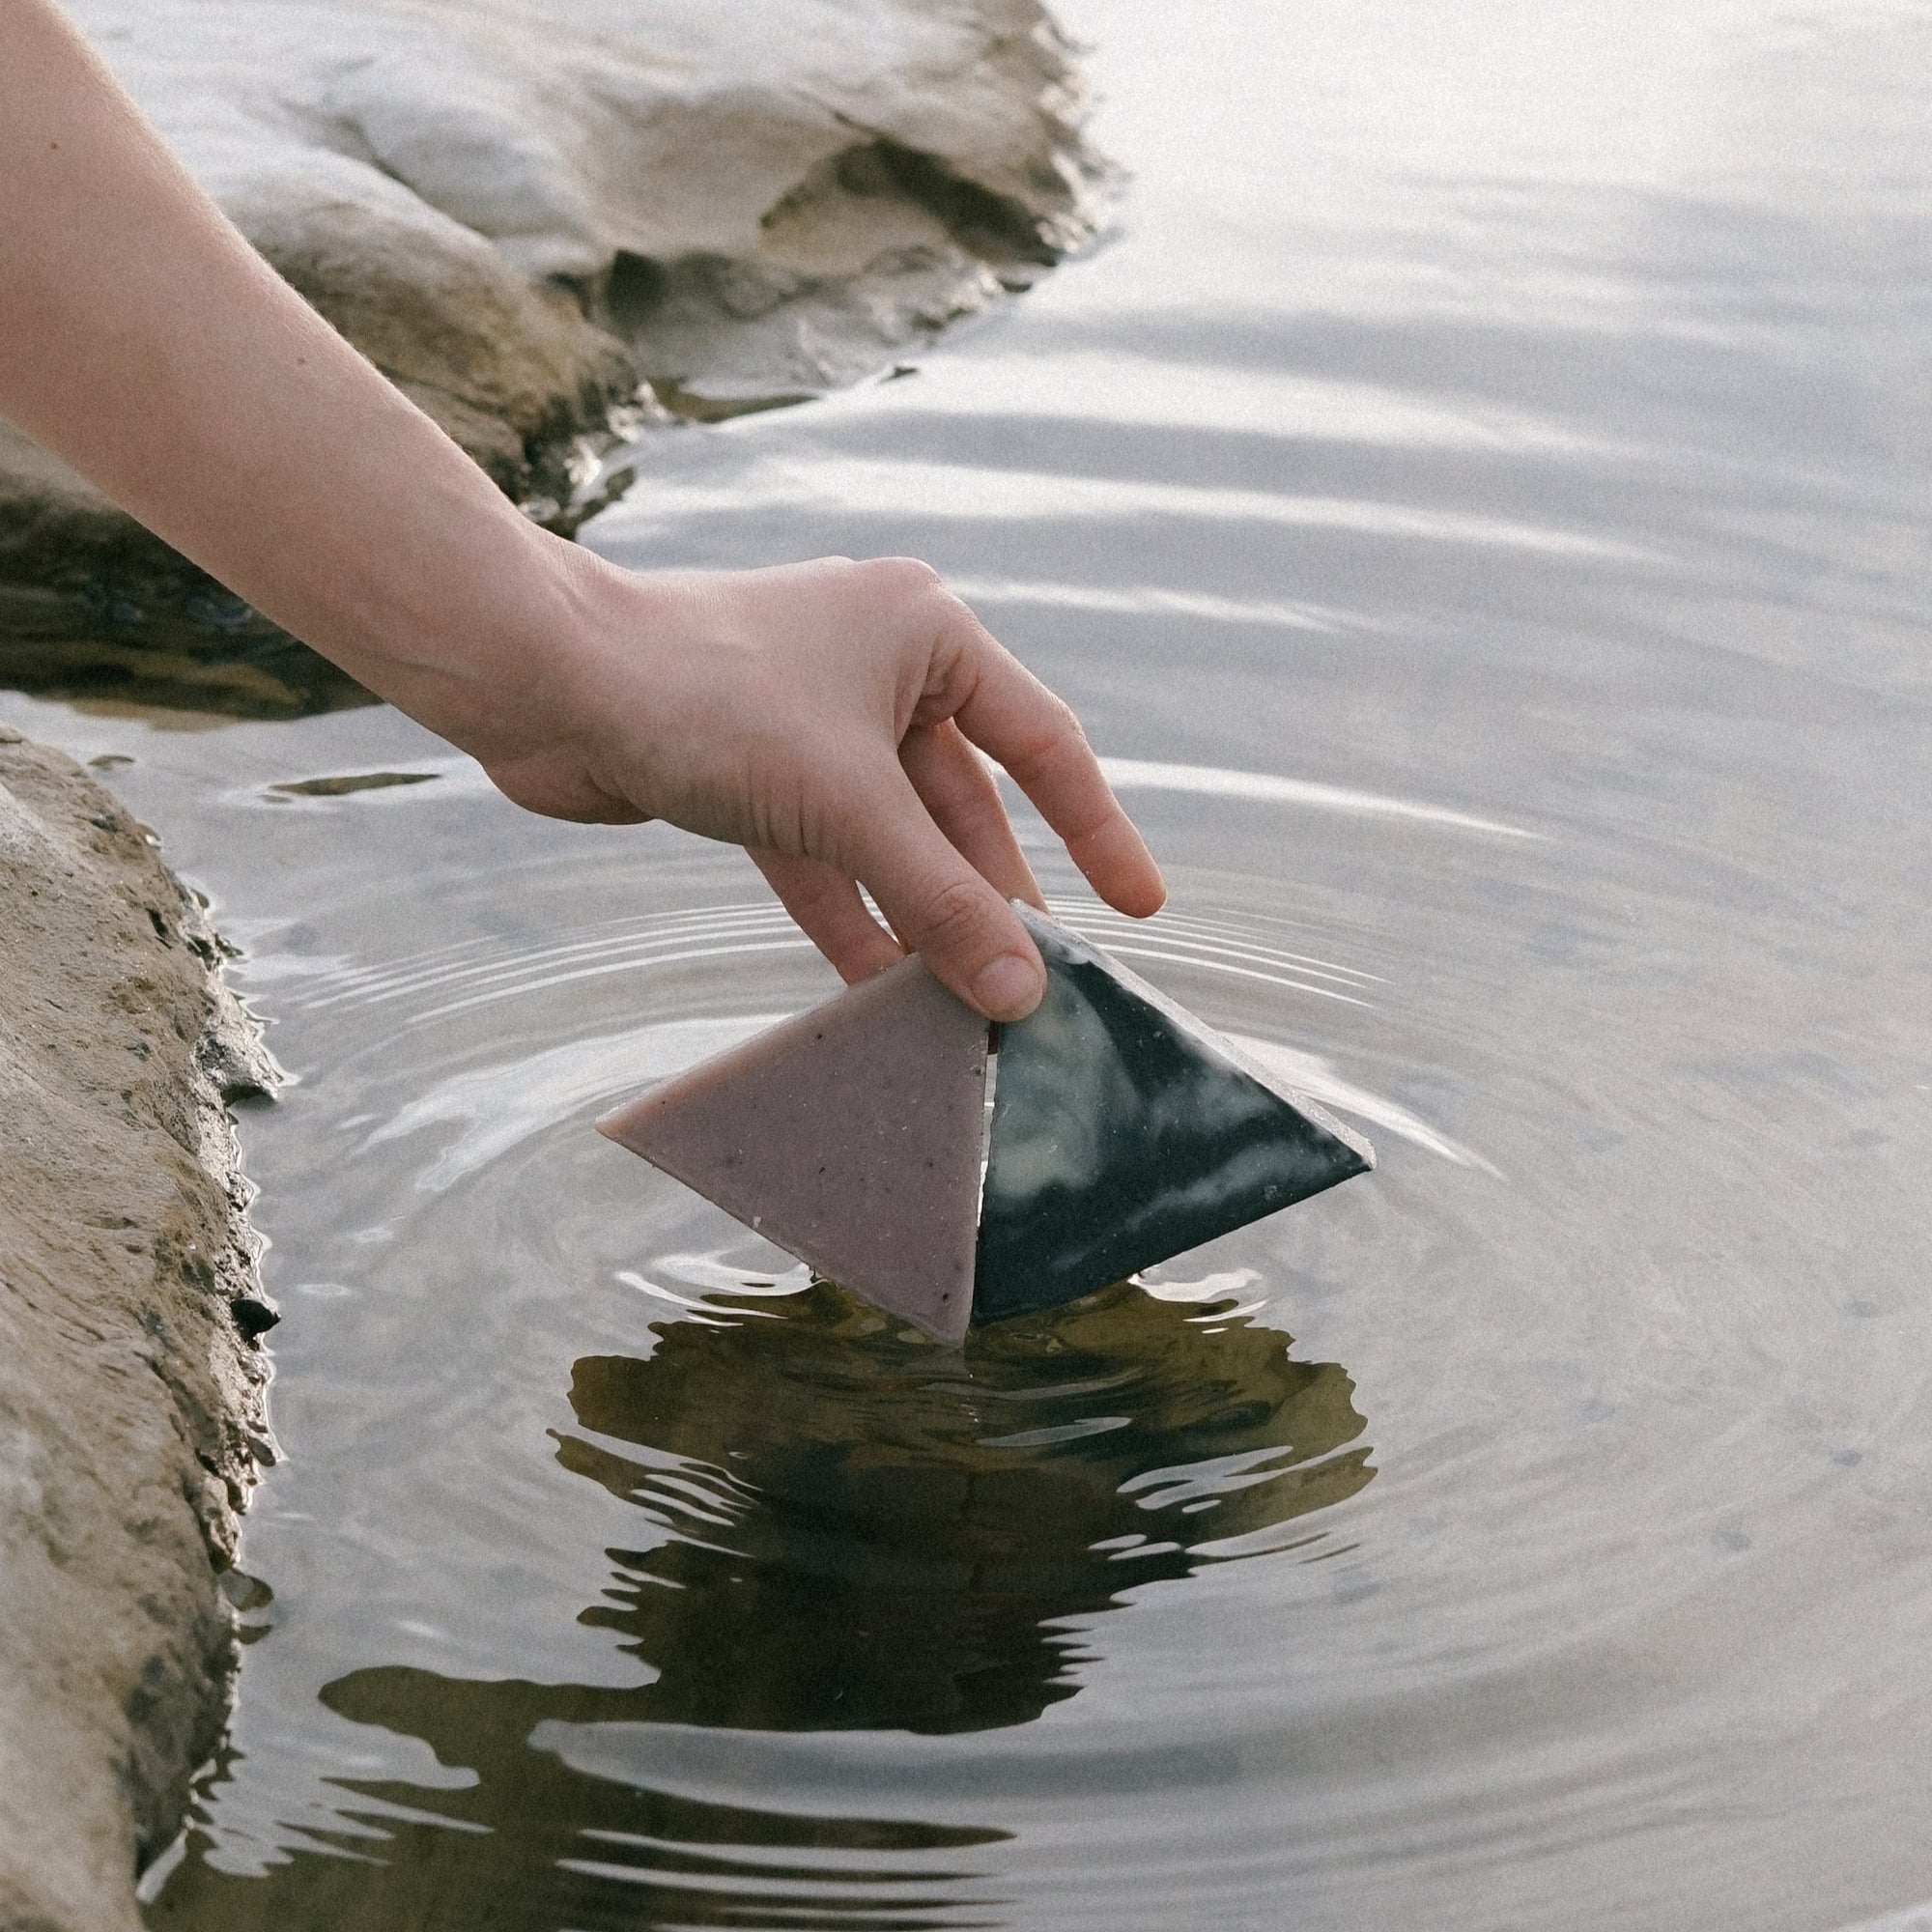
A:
[(584, 1475), (1478, 509), (812, 1520)]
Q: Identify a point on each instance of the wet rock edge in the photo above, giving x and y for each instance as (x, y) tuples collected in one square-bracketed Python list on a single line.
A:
[(132, 1384)]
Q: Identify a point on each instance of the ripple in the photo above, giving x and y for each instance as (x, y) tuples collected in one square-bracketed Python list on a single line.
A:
[(617, 1852), (941, 492), (496, 1106), (482, 971), (1128, 388), (1150, 601), (1214, 781), (579, 1472), (905, 1537)]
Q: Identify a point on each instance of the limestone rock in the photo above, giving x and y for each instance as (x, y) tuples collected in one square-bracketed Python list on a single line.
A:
[(132, 1402), (517, 209)]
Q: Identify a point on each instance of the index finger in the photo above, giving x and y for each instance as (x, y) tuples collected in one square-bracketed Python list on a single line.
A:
[(1013, 718)]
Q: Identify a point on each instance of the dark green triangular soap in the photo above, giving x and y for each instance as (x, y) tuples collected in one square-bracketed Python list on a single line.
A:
[(1125, 1132)]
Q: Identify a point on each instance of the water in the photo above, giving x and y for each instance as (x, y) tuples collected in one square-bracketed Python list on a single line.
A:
[(1480, 505)]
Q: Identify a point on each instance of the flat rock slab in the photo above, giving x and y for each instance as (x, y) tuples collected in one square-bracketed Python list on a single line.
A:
[(1126, 1131), (521, 209), (132, 1392)]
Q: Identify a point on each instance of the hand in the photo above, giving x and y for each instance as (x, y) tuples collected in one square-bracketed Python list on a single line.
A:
[(825, 716)]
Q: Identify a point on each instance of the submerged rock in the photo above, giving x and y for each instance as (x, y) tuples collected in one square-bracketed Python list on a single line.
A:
[(132, 1392), (520, 209)]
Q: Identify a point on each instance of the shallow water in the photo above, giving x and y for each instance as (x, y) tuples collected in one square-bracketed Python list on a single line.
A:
[(1480, 505)]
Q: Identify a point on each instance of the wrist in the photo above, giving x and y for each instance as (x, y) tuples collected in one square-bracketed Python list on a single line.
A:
[(472, 640)]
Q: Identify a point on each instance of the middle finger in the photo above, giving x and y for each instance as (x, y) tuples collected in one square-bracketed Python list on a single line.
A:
[(955, 786)]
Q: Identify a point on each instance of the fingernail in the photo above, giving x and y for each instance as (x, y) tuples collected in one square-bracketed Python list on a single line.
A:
[(1009, 987)]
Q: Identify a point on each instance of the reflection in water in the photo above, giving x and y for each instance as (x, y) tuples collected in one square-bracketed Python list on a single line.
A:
[(229, 665), (342, 783), (839, 1527), (539, 1844), (857, 1533)]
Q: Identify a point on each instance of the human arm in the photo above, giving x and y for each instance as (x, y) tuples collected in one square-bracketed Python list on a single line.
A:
[(822, 715)]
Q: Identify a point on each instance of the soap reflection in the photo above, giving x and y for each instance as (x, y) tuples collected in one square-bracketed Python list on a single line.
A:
[(841, 1528), (863, 1533)]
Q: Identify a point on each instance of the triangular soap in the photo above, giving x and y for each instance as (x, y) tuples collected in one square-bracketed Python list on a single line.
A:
[(850, 1135), (1125, 1132)]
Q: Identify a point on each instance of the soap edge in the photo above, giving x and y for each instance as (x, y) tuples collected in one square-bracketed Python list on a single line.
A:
[(610, 1123), (672, 1083), (1041, 925)]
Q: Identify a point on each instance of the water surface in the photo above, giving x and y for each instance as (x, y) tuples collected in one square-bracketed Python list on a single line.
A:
[(1480, 505)]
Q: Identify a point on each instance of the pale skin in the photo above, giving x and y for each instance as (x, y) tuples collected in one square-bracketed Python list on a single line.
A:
[(824, 715)]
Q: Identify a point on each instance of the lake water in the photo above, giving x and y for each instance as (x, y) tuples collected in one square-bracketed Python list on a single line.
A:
[(1481, 504)]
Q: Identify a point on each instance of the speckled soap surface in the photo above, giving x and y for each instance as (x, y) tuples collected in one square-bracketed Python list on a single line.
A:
[(849, 1135), (1125, 1132)]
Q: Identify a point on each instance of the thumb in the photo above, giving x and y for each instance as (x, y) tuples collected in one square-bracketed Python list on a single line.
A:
[(950, 915)]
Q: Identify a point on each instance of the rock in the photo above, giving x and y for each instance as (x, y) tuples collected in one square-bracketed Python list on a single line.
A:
[(131, 1401), (521, 209)]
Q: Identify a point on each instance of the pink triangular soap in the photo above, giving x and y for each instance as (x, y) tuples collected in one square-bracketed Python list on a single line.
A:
[(850, 1135)]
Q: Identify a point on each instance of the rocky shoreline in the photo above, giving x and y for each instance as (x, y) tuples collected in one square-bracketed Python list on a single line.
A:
[(549, 225), (132, 1384)]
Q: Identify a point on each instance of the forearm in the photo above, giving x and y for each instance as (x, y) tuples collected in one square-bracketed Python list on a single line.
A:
[(143, 340), (824, 715)]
